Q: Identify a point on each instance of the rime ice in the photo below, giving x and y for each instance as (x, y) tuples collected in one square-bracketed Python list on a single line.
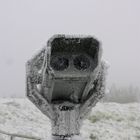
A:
[(65, 80)]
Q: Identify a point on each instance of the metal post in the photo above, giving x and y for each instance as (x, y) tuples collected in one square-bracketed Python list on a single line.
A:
[(11, 137)]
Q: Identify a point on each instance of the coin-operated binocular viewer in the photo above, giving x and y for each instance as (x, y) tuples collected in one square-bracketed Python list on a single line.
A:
[(65, 80)]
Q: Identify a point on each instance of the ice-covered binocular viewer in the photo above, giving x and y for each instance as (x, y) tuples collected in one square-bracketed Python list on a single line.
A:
[(65, 80)]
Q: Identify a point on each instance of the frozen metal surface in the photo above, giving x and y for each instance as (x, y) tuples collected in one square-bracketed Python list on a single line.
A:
[(65, 80)]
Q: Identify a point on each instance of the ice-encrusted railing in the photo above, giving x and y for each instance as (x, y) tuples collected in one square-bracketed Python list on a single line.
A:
[(12, 136)]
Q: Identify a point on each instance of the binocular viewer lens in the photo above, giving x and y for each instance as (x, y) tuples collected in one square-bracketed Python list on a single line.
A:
[(81, 62), (60, 63)]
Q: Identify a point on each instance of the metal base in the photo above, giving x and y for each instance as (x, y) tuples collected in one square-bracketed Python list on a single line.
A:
[(61, 137), (57, 137)]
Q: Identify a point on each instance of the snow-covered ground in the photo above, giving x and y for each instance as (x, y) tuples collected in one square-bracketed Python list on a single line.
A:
[(108, 121)]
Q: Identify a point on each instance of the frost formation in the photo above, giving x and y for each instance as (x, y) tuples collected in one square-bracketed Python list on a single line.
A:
[(66, 113)]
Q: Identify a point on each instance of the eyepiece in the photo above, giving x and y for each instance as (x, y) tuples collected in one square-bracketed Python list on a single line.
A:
[(81, 62), (59, 63)]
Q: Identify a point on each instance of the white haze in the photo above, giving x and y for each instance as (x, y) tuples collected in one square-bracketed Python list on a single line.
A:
[(26, 25)]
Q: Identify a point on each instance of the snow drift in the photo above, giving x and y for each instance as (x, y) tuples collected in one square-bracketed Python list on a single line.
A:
[(108, 121)]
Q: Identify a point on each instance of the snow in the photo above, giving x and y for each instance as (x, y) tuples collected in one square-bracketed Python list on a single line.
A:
[(108, 121)]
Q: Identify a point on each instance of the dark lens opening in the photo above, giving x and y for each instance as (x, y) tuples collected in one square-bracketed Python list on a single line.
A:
[(81, 62), (59, 63)]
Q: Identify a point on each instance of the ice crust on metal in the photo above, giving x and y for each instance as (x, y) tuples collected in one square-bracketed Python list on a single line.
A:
[(65, 80)]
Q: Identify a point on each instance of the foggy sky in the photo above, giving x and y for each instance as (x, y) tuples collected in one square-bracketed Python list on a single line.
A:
[(26, 25)]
